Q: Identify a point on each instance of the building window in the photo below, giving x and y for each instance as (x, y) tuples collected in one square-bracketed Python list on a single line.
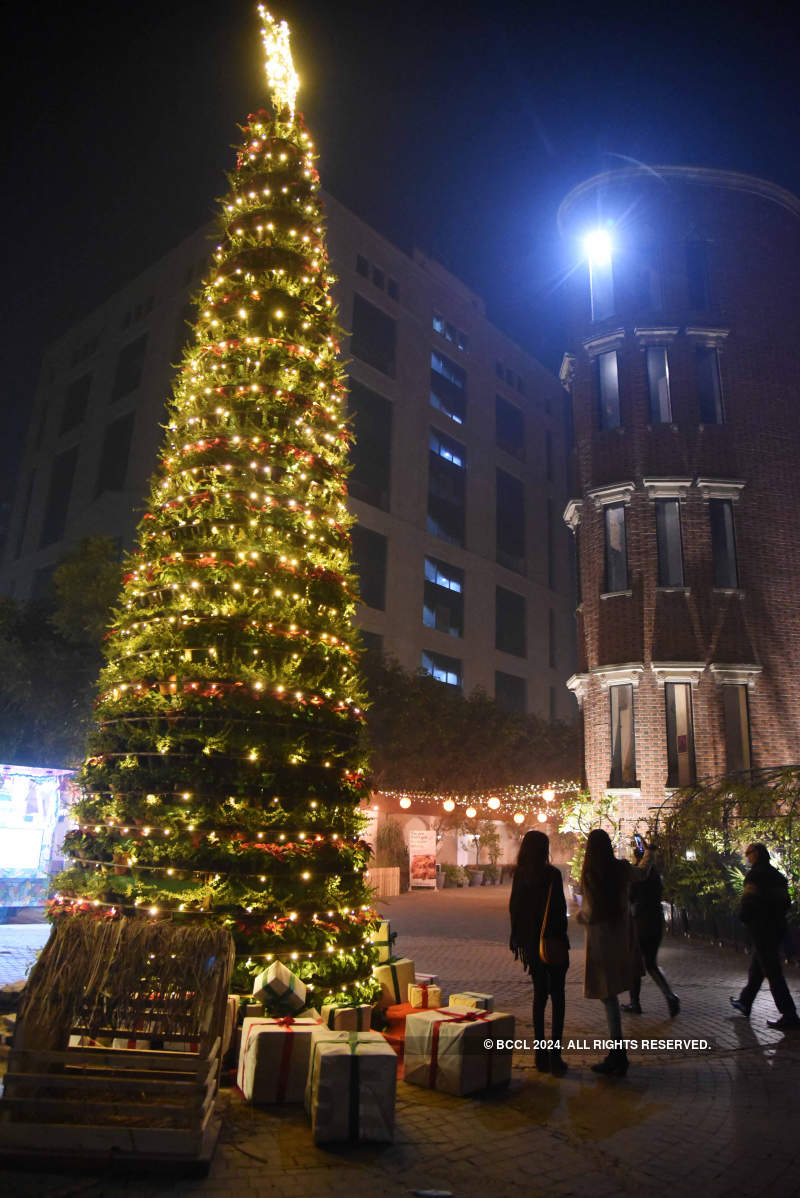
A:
[(58, 497), (446, 487), (616, 548), (551, 639), (130, 364), (737, 728), (443, 599), (450, 332), (374, 336), (23, 524), (647, 285), (623, 741), (658, 384), (709, 385), (697, 276), (448, 388), (680, 734), (509, 424), (553, 524), (608, 389), (369, 563), (113, 466), (362, 266), (510, 522), (371, 454), (378, 277), (509, 622), (510, 693), (723, 544), (443, 669), (391, 287), (601, 287), (76, 398), (668, 537)]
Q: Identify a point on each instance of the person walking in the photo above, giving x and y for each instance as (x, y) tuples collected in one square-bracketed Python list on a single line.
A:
[(538, 909), (649, 920), (765, 901), (612, 956)]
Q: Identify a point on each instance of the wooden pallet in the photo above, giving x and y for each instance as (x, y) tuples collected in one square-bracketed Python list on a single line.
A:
[(86, 1107)]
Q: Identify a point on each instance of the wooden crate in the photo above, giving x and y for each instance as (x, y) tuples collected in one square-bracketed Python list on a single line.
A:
[(101, 1106)]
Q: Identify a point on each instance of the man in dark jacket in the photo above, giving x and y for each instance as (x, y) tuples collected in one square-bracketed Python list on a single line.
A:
[(765, 901)]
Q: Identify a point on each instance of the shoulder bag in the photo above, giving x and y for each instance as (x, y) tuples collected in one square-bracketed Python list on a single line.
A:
[(552, 949)]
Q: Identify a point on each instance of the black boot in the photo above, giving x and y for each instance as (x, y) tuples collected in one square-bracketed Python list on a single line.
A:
[(558, 1066), (615, 1064), (542, 1060)]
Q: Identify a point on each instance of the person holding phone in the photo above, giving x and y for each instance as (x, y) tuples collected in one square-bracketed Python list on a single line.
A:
[(648, 916), (538, 909)]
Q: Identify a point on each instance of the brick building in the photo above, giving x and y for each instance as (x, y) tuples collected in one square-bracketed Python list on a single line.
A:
[(684, 371), (459, 469)]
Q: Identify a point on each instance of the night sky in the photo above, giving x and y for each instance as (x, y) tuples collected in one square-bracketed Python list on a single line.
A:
[(450, 126)]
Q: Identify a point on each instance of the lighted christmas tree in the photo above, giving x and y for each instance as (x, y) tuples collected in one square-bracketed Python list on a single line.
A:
[(224, 775)]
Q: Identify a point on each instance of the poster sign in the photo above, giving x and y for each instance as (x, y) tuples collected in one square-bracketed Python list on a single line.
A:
[(422, 856)]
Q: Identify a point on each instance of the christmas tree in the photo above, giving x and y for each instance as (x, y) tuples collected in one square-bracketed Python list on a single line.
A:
[(223, 779)]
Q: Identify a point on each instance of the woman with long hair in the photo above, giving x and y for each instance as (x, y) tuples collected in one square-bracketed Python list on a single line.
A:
[(612, 957), (537, 898)]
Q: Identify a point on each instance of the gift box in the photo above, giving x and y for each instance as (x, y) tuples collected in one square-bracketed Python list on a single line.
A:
[(273, 1058), (445, 1050), (472, 1000), (352, 1082), (384, 940), (421, 994), (277, 981), (142, 1043), (347, 1017), (429, 979), (394, 978)]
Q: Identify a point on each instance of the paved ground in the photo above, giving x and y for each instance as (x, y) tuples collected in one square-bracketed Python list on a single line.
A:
[(713, 1122)]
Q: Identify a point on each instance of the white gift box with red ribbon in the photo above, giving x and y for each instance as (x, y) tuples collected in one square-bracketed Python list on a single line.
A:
[(423, 995), (446, 1050), (273, 1058)]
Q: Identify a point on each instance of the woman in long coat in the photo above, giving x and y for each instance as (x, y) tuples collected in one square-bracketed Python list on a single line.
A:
[(534, 880), (612, 956)]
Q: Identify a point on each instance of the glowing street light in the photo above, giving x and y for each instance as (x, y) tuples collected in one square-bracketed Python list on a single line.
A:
[(597, 246)]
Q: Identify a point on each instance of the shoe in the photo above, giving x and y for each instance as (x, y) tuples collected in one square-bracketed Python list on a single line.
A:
[(785, 1024), (542, 1060), (558, 1066), (631, 1008), (615, 1064), (674, 1004), (739, 1006)]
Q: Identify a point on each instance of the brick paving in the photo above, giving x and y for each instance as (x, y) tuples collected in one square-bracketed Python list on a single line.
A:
[(715, 1122)]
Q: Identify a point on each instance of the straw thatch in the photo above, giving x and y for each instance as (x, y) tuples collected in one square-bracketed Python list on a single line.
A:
[(127, 976)]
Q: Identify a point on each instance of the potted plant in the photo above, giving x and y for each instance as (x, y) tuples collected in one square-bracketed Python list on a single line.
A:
[(391, 850), (490, 875), (475, 874), (451, 875)]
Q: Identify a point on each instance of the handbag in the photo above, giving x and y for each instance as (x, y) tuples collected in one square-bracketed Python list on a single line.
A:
[(552, 949)]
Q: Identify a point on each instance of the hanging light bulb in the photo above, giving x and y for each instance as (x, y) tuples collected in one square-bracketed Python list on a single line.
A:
[(471, 813), (449, 805), (518, 817), (542, 817), (405, 803), (494, 802)]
